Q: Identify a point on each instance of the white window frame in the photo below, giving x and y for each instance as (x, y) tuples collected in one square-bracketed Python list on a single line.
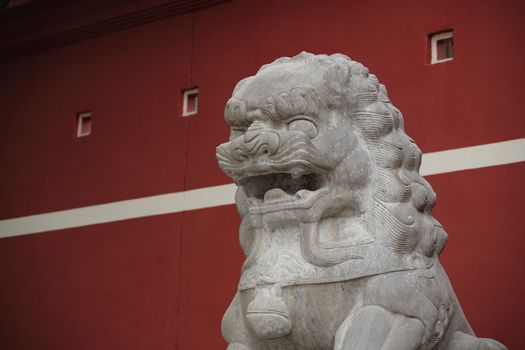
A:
[(186, 94), (80, 118), (433, 46)]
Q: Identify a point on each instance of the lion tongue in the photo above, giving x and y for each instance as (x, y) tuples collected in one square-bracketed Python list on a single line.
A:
[(275, 195)]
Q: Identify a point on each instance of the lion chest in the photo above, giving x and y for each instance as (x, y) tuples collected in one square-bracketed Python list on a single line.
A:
[(278, 259)]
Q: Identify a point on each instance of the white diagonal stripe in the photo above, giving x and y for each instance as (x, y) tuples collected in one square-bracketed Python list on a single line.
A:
[(491, 154), (474, 157)]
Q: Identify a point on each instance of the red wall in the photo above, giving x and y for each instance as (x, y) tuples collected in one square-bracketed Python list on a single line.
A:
[(163, 282)]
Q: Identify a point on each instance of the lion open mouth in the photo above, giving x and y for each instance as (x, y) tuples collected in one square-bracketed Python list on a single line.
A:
[(278, 188)]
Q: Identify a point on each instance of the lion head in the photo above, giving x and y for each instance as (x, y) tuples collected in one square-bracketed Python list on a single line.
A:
[(315, 140)]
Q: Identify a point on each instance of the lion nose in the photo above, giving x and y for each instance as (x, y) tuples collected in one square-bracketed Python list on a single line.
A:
[(259, 141)]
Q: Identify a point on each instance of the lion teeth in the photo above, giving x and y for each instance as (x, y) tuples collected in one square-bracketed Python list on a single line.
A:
[(302, 194), (275, 195)]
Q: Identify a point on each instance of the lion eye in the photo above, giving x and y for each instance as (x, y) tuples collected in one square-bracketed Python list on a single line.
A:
[(305, 126)]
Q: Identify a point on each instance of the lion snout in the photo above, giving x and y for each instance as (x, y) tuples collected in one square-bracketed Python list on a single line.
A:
[(257, 143)]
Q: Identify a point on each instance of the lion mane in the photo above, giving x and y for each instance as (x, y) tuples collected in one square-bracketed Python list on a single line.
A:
[(336, 221), (399, 215)]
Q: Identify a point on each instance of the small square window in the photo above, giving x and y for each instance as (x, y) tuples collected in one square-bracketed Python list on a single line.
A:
[(441, 47), (83, 124), (190, 102)]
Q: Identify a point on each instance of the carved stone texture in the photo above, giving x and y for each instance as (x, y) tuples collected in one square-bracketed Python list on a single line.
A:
[(342, 249)]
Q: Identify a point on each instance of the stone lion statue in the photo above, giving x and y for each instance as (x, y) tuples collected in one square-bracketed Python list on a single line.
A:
[(342, 249)]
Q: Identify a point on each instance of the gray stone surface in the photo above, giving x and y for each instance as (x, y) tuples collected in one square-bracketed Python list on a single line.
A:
[(341, 247)]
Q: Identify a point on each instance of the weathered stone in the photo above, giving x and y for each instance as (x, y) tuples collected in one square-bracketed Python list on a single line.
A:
[(342, 249)]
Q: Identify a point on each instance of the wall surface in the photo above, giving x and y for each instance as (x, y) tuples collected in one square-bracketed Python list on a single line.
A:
[(164, 281)]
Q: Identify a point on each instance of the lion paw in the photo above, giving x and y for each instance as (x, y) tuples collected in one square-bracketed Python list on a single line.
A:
[(462, 341), (491, 344), (237, 346)]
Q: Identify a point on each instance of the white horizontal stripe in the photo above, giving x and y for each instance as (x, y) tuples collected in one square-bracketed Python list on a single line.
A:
[(208, 197), (474, 157), (121, 210), (499, 153)]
